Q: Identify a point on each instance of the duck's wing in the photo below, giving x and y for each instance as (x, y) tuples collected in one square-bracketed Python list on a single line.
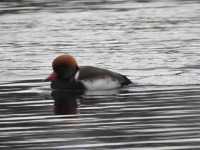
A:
[(91, 73)]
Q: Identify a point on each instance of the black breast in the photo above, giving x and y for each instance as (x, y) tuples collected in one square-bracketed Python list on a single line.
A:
[(62, 84)]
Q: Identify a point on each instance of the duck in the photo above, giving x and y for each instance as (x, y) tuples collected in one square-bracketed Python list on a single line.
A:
[(67, 75)]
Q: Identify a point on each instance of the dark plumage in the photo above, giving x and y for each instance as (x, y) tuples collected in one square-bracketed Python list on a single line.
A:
[(69, 76)]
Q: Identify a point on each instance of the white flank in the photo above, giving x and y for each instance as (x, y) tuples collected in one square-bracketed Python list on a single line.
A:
[(101, 84), (77, 75)]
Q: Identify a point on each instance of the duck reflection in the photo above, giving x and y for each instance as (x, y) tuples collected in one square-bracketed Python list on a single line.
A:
[(65, 102)]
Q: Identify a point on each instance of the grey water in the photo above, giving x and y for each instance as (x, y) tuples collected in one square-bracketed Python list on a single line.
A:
[(154, 43)]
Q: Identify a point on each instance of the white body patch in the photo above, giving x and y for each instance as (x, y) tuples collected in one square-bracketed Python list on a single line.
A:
[(101, 84), (77, 75)]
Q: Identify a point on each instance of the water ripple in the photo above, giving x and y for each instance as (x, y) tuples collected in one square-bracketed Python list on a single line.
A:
[(154, 43)]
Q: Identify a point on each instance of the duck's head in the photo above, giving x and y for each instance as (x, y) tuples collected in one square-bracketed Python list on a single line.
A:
[(64, 66)]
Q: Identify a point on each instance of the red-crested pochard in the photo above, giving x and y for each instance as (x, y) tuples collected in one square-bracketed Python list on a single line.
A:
[(68, 75)]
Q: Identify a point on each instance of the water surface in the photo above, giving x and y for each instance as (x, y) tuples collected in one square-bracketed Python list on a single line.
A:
[(154, 43)]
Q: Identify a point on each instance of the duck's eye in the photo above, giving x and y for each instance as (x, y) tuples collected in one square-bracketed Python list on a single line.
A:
[(60, 70)]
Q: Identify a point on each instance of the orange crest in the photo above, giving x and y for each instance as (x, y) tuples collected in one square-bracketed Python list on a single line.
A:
[(65, 59)]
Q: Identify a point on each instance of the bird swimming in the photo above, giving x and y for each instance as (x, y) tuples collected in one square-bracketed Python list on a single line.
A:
[(67, 75)]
